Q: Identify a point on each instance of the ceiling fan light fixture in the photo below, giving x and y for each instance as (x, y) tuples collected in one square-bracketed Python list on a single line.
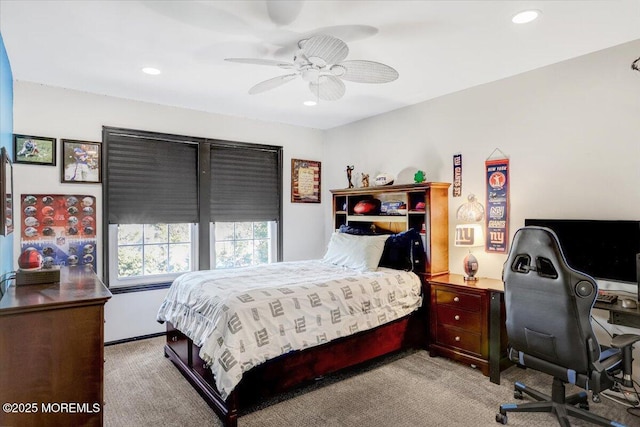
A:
[(338, 70), (318, 62), (311, 75), (525, 16)]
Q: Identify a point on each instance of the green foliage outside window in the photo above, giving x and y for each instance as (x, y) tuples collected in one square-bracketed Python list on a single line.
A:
[(241, 244), (152, 249)]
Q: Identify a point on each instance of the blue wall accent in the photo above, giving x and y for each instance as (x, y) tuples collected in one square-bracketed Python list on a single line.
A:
[(6, 141)]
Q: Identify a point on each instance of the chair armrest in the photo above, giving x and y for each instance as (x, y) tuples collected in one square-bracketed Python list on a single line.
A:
[(624, 340)]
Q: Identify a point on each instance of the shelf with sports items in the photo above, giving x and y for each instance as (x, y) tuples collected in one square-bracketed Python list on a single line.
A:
[(397, 208)]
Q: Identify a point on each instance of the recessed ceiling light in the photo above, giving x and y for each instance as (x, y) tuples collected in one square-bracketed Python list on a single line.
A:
[(309, 103), (525, 16), (151, 71)]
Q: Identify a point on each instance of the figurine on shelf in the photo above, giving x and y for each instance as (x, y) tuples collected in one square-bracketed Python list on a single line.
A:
[(418, 177), (365, 180), (349, 171)]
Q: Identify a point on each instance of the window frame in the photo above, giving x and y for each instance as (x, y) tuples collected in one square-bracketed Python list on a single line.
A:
[(273, 237), (203, 233), (156, 279)]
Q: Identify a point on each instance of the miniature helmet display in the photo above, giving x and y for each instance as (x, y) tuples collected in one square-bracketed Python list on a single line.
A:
[(384, 179), (30, 259)]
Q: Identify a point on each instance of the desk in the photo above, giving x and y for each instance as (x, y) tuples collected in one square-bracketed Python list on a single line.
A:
[(619, 315), (467, 322)]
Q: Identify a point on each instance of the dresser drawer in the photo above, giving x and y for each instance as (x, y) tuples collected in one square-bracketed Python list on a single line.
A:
[(465, 301), (468, 320), (459, 338)]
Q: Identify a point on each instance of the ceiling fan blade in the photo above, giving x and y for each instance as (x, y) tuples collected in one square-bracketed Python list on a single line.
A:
[(346, 33), (364, 72), (260, 61), (328, 88), (330, 49), (271, 83)]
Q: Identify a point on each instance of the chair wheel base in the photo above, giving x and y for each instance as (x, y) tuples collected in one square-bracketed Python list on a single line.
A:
[(501, 418)]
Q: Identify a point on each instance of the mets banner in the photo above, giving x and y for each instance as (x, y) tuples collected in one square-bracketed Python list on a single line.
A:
[(497, 205)]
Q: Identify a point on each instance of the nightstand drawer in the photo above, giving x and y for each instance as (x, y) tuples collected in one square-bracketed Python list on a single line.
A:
[(465, 301), (468, 320), (459, 338)]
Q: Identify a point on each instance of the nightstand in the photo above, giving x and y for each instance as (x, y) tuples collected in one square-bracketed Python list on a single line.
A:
[(467, 322)]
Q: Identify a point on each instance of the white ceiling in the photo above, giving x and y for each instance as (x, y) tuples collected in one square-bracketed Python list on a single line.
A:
[(438, 47)]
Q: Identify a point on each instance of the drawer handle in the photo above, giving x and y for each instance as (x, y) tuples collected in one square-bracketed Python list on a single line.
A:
[(457, 338), (174, 338), (457, 317), (456, 299)]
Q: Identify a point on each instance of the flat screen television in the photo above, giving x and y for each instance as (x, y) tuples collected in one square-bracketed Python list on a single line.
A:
[(604, 249)]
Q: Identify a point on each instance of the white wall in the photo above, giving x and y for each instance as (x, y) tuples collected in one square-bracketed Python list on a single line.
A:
[(571, 131), (62, 113)]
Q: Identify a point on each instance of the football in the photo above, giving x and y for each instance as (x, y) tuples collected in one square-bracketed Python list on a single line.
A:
[(384, 179), (367, 207)]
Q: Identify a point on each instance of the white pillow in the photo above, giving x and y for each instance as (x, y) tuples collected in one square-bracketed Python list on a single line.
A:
[(360, 253)]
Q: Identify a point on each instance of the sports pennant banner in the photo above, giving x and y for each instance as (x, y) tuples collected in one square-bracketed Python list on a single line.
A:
[(457, 175), (497, 174)]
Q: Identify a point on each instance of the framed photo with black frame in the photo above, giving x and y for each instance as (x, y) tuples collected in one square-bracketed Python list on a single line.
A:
[(34, 150), (305, 181), (81, 162)]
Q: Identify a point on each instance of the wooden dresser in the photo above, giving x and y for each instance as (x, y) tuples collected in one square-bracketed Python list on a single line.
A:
[(467, 322), (52, 351)]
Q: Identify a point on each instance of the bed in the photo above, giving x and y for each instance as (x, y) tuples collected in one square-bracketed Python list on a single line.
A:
[(243, 334)]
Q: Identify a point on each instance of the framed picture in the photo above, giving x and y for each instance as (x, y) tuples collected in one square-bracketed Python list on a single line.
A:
[(81, 161), (34, 150), (6, 193), (305, 181), (62, 227)]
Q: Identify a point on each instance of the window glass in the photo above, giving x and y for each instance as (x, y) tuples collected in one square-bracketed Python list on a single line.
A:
[(242, 244), (156, 233), (129, 261), (130, 234), (152, 252)]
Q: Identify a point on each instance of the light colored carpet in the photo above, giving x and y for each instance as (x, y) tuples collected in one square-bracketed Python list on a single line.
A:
[(143, 388)]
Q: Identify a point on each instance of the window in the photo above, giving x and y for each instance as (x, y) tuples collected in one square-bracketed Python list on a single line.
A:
[(174, 203), (151, 253), (242, 244)]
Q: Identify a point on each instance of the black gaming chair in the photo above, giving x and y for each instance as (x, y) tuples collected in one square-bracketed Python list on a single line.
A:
[(548, 307)]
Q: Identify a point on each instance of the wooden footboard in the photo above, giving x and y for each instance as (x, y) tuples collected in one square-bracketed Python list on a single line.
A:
[(294, 368)]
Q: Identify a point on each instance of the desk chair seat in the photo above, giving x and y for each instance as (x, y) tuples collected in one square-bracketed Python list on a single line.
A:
[(548, 308)]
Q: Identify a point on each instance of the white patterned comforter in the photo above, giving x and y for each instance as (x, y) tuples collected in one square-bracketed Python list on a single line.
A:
[(243, 317)]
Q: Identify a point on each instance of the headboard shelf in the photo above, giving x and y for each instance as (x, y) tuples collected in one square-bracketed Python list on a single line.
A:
[(426, 210)]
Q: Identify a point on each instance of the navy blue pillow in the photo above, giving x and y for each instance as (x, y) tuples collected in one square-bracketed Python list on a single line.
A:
[(404, 251), (359, 229)]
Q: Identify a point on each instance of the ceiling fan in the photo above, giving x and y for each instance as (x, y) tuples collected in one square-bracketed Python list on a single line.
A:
[(320, 61)]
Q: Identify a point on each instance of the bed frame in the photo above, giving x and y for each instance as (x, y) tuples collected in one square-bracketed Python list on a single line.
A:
[(294, 368), (299, 367)]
